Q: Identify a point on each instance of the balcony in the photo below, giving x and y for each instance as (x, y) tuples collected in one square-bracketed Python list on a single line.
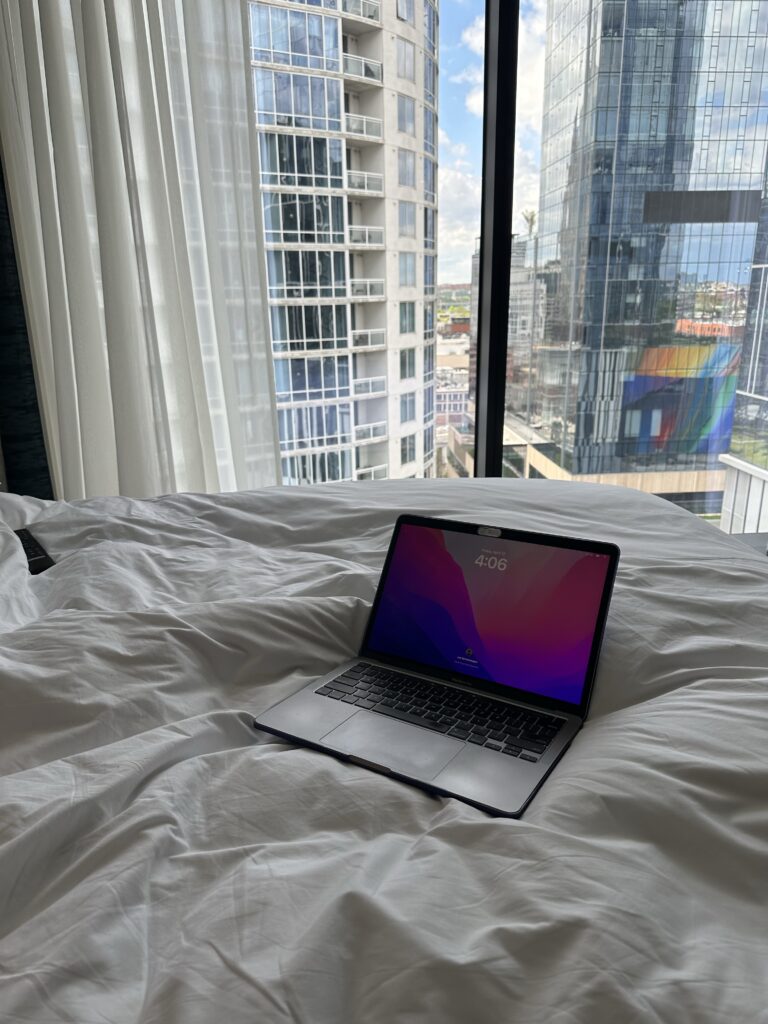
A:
[(364, 237), (369, 386), (362, 288), (364, 127), (368, 9), (370, 71), (372, 473), (363, 181), (371, 431), (369, 339)]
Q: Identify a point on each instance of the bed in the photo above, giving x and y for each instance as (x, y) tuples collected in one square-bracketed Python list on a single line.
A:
[(160, 861)]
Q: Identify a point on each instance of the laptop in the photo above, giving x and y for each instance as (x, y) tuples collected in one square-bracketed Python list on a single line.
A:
[(476, 668)]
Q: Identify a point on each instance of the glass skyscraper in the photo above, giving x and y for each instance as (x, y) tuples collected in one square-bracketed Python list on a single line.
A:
[(653, 168), (346, 107)]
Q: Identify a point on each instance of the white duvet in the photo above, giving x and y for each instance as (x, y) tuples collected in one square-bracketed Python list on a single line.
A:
[(161, 862)]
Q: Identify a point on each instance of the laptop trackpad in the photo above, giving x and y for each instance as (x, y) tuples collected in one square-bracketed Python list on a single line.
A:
[(405, 749)]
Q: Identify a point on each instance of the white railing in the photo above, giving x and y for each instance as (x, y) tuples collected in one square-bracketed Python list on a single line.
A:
[(372, 473), (370, 431), (361, 288), (363, 67), (369, 339), (369, 127), (359, 235), (370, 386), (364, 181), (369, 9)]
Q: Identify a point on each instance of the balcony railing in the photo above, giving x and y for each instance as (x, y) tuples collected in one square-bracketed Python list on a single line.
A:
[(361, 288), (366, 236), (369, 386), (372, 473), (363, 67), (369, 339), (369, 9), (370, 431), (364, 181), (367, 127)]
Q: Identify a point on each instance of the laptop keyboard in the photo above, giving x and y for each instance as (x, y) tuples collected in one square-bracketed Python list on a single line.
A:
[(489, 723)]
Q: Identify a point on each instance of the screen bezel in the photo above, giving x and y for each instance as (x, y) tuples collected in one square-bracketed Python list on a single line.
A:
[(501, 533)]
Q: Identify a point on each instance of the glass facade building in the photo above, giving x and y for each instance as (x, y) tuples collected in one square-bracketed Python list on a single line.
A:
[(648, 275), (346, 111)]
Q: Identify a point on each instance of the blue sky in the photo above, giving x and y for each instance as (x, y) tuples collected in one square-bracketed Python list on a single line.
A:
[(461, 108)]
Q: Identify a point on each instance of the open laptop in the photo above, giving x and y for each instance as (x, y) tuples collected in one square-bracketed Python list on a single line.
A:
[(476, 668)]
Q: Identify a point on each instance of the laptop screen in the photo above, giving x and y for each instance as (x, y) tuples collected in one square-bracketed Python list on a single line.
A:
[(511, 612)]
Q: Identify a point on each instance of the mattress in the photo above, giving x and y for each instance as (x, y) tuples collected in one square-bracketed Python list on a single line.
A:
[(160, 861)]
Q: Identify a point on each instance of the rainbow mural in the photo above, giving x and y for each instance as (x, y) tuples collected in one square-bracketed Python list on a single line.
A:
[(684, 395)]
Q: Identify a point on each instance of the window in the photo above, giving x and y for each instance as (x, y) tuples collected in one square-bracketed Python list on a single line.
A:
[(406, 115), (430, 180), (311, 380), (430, 27), (430, 227), (430, 265), (430, 131), (407, 317), (297, 101), (312, 426), (406, 167), (407, 219), (405, 11), (317, 467), (406, 60), (294, 37), (408, 407), (407, 363), (307, 274), (300, 161), (430, 81), (407, 449), (407, 269), (429, 442), (312, 219), (308, 327), (429, 363)]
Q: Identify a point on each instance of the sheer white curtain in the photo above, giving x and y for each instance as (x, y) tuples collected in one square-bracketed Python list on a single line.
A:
[(129, 150)]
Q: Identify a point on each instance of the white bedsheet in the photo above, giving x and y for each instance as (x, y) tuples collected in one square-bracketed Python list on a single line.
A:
[(160, 862)]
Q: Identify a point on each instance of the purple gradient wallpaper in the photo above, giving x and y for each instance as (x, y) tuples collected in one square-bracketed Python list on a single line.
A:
[(502, 610)]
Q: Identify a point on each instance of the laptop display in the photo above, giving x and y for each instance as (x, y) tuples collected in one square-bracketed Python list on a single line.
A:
[(511, 612)]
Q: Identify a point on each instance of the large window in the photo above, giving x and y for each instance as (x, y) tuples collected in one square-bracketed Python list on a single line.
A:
[(406, 115), (407, 269), (407, 449), (308, 327), (406, 60), (306, 274), (314, 426), (430, 180), (408, 407), (310, 380), (298, 160), (406, 11), (312, 219), (294, 37), (430, 227), (406, 216), (407, 317), (430, 131), (406, 168), (407, 363), (297, 101)]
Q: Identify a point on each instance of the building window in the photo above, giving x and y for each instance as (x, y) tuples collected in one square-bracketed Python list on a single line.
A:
[(294, 37), (429, 362), (405, 11), (317, 468), (406, 168), (407, 449), (297, 328), (407, 363), (406, 60), (429, 403), (430, 263), (407, 219), (406, 115), (430, 81), (429, 320), (300, 161), (430, 227), (430, 180), (309, 219), (407, 269), (309, 274), (314, 426), (311, 380), (430, 131), (407, 317), (430, 27), (297, 101), (429, 442), (408, 407)]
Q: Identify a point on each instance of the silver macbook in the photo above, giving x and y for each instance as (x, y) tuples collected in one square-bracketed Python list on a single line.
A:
[(476, 669)]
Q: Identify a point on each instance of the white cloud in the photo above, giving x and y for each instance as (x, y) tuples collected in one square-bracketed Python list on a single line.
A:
[(473, 35), (458, 222)]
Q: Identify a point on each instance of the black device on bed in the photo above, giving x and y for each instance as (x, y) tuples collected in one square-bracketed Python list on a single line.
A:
[(37, 557)]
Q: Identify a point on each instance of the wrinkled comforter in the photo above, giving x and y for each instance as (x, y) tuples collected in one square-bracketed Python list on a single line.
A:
[(162, 862)]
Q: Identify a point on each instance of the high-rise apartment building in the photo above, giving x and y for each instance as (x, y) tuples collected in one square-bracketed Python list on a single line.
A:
[(346, 110), (653, 156)]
